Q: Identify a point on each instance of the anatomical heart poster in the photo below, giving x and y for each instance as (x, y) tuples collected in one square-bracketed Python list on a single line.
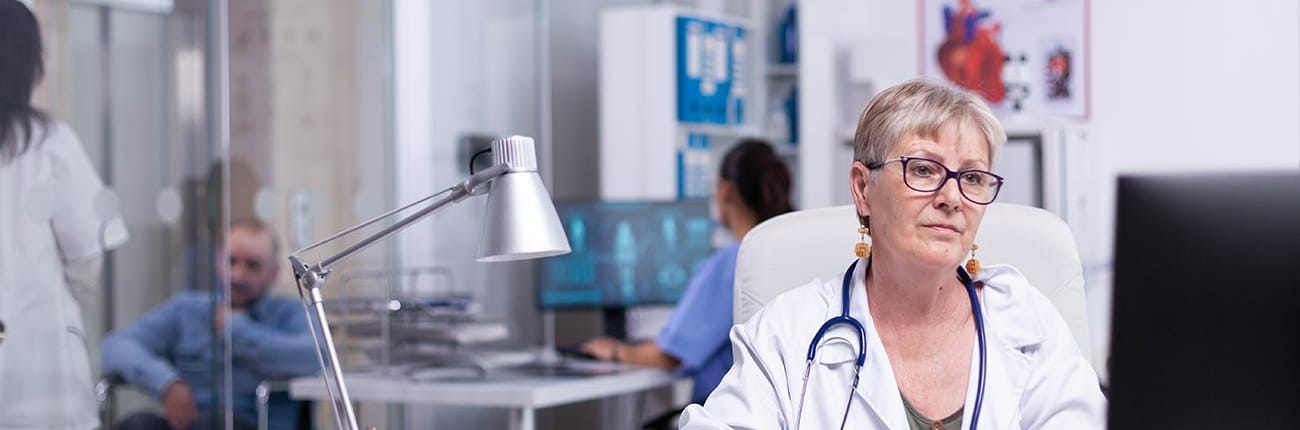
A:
[(1022, 56)]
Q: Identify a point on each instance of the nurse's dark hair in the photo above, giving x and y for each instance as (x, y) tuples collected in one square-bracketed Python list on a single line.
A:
[(760, 177), (20, 69)]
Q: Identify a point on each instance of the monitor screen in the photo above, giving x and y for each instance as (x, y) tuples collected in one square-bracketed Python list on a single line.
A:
[(626, 253), (1206, 292)]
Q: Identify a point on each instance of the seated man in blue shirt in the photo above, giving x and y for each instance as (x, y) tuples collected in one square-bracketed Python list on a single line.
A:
[(171, 352)]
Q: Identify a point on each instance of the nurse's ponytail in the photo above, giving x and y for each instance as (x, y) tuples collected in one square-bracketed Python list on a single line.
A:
[(760, 176)]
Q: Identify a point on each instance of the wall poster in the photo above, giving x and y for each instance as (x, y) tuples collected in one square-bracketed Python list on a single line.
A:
[(1022, 56)]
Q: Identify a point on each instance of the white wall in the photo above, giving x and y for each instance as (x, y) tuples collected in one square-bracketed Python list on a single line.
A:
[(1216, 88), (877, 40), (1176, 86)]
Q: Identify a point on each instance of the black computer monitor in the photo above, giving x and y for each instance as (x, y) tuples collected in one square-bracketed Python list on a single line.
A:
[(1206, 316), (625, 253)]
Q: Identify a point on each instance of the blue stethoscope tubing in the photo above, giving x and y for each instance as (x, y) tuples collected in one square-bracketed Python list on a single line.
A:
[(846, 319)]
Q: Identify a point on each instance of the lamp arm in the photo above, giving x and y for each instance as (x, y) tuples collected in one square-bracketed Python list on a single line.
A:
[(311, 278), (471, 186)]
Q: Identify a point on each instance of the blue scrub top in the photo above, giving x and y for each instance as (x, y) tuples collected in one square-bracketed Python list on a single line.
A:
[(696, 333)]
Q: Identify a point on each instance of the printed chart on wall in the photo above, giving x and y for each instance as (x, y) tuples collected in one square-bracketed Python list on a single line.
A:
[(1022, 56)]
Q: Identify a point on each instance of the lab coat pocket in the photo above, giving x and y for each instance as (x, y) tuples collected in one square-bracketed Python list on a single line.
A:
[(48, 384), (79, 395), (78, 356)]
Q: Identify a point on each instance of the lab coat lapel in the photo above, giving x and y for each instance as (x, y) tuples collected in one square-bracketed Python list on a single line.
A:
[(1012, 330), (1008, 370)]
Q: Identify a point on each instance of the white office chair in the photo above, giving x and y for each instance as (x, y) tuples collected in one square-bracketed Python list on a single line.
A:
[(790, 250)]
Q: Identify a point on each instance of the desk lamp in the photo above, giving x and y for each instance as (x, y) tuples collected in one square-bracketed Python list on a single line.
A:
[(520, 224)]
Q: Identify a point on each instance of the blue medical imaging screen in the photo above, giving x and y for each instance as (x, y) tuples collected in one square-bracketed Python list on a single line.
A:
[(626, 253)]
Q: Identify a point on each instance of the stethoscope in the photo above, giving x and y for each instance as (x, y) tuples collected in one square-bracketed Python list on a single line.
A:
[(845, 318)]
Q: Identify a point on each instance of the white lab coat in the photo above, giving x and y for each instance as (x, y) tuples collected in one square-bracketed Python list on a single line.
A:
[(54, 214), (1037, 378)]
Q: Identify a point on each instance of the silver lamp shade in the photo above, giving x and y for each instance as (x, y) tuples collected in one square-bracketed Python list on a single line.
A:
[(520, 222)]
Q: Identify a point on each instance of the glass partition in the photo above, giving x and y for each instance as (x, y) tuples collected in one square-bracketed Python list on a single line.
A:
[(310, 152), (133, 80), (221, 125)]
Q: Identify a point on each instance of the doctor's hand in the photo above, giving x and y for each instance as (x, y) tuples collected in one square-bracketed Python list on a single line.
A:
[(604, 348), (178, 405)]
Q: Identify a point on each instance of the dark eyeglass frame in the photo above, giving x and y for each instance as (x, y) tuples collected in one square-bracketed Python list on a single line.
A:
[(948, 174)]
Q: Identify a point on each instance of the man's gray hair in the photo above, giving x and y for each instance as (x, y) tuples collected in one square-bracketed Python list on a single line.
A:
[(921, 107)]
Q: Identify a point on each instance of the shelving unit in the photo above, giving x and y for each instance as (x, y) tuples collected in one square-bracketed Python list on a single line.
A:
[(781, 78), (676, 86), (648, 147)]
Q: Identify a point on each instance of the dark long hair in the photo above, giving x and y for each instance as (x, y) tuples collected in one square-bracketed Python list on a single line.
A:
[(20, 69), (760, 177)]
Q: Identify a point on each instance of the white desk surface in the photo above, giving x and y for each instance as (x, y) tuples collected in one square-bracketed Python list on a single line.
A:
[(502, 388)]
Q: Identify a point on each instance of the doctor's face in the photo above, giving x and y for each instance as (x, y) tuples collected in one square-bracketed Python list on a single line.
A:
[(249, 265), (930, 228)]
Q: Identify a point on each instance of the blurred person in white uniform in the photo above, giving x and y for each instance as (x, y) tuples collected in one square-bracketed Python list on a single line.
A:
[(917, 303), (56, 220)]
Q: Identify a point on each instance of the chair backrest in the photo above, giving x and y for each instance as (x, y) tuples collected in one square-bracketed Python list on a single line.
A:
[(792, 249)]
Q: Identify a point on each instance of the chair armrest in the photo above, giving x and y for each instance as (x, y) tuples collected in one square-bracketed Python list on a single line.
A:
[(264, 390), (105, 387), (269, 386)]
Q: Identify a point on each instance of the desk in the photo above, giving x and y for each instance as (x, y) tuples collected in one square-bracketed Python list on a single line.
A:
[(523, 392)]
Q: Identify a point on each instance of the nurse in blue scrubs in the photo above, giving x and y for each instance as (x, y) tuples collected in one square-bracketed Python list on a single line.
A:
[(753, 185)]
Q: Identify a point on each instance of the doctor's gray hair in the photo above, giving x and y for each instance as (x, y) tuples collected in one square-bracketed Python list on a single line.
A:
[(923, 108)]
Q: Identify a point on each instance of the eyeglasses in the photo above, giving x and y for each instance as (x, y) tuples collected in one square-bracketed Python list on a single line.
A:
[(926, 176)]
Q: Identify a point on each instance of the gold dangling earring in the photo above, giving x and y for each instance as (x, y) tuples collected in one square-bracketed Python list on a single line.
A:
[(862, 249), (973, 265)]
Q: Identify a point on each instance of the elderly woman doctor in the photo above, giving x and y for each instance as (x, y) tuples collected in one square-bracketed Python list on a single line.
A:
[(913, 334)]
